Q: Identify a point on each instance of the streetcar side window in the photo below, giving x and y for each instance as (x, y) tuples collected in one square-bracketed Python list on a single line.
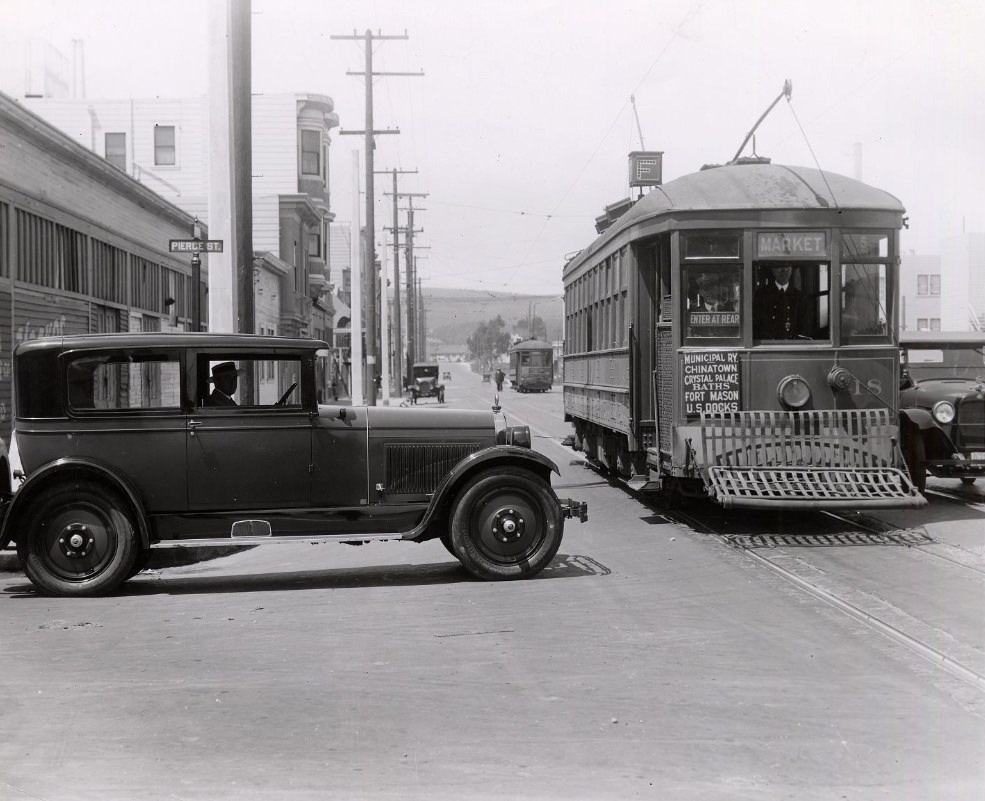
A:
[(791, 301), (713, 302)]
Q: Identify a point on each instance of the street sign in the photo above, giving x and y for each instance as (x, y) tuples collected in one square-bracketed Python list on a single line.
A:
[(195, 245)]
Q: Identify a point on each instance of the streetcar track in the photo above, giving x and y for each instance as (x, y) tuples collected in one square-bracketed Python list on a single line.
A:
[(919, 539), (966, 498), (894, 633)]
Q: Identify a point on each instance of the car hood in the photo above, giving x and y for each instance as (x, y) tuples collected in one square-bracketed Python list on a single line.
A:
[(408, 419), (933, 390)]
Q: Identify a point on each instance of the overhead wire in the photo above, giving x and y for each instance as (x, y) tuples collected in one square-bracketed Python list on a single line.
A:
[(675, 33)]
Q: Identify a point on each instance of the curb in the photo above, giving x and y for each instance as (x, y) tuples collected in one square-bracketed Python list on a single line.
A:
[(159, 557)]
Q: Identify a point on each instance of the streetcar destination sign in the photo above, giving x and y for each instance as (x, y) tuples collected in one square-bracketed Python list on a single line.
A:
[(195, 245), (792, 244)]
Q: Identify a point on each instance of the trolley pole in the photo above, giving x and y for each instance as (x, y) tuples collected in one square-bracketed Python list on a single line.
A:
[(371, 279)]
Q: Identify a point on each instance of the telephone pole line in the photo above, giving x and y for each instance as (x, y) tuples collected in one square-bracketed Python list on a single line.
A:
[(398, 347), (411, 271), (372, 275)]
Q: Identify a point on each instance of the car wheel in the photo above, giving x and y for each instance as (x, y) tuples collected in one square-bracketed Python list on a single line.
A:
[(916, 461), (967, 480), (446, 541), (506, 524), (80, 539)]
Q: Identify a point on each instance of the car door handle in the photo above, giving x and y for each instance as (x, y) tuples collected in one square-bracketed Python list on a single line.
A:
[(194, 423)]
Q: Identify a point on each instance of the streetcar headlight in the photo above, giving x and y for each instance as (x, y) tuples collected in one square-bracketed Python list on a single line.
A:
[(793, 392), (943, 411), (839, 378)]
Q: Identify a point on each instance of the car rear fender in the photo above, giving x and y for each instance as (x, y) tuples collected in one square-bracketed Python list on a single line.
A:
[(70, 469), (435, 519)]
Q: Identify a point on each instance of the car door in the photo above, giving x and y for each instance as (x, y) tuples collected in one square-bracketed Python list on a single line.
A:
[(253, 454)]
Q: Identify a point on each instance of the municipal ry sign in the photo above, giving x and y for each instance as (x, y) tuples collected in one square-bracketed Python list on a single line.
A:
[(195, 245)]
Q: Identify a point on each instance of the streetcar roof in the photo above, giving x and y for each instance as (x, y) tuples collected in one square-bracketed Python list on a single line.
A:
[(751, 186), (532, 344)]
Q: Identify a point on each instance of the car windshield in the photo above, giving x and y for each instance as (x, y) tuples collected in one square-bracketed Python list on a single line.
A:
[(941, 360)]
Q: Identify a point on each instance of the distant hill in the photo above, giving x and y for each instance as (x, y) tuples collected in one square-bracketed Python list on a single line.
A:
[(453, 314)]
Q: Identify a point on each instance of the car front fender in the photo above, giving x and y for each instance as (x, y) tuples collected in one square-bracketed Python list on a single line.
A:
[(920, 422), (70, 469), (432, 524)]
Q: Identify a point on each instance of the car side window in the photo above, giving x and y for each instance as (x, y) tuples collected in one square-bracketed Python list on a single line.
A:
[(255, 381), (118, 382)]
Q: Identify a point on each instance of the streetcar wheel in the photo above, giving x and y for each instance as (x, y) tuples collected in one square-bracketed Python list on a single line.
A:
[(80, 539), (506, 524), (916, 461)]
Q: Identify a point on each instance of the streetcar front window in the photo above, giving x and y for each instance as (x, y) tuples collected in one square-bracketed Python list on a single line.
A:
[(713, 302), (790, 301), (863, 303)]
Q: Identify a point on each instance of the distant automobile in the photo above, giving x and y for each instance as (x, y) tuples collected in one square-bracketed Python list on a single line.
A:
[(446, 376), (424, 382), (126, 442), (942, 404)]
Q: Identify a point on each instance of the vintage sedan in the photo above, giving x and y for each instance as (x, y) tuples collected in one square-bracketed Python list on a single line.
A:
[(942, 404), (126, 442)]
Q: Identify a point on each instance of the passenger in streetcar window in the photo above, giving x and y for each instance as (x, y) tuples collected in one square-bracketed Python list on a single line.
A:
[(715, 292), (225, 378), (779, 309)]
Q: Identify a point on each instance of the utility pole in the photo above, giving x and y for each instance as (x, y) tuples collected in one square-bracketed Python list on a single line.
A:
[(398, 347), (372, 276), (413, 337)]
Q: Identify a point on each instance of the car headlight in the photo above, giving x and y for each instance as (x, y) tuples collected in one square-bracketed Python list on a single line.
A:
[(514, 435), (793, 392), (943, 412)]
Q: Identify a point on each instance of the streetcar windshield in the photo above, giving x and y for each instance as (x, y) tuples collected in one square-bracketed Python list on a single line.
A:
[(713, 302), (790, 301), (863, 303)]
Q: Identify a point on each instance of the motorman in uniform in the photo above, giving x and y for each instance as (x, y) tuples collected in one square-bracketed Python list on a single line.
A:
[(779, 308)]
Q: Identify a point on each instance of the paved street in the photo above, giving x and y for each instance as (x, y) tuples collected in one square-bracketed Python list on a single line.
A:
[(649, 661)]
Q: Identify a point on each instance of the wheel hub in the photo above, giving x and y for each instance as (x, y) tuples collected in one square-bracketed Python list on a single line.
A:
[(507, 526), (76, 541)]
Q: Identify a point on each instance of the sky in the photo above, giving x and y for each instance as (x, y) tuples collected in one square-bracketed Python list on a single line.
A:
[(520, 128)]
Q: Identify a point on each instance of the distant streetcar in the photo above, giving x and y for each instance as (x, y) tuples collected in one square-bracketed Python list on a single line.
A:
[(532, 365), (687, 370)]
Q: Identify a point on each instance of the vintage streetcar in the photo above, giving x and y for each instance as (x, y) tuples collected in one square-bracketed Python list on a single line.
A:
[(532, 365), (732, 335), (126, 442)]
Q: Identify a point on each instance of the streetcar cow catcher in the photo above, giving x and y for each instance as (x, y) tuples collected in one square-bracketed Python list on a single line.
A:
[(732, 335)]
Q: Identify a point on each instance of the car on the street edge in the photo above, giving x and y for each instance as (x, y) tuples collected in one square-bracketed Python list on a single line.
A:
[(942, 404), (119, 445)]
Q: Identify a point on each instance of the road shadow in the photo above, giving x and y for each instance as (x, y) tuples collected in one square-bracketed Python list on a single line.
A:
[(154, 582)]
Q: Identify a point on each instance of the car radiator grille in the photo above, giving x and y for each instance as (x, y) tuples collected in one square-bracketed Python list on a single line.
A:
[(419, 468), (971, 423)]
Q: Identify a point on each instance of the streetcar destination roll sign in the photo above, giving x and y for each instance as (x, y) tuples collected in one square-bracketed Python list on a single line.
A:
[(711, 382)]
